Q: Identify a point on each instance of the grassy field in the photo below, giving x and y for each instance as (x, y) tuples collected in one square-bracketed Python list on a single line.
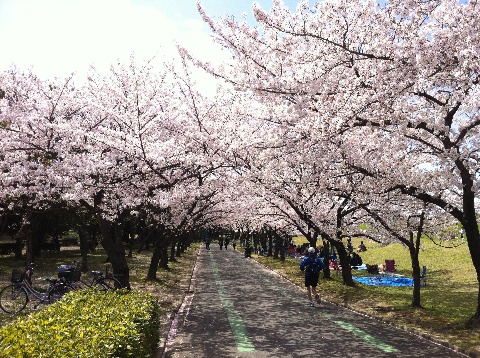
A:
[(448, 300)]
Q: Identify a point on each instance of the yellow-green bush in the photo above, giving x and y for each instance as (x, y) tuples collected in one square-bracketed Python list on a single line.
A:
[(87, 323)]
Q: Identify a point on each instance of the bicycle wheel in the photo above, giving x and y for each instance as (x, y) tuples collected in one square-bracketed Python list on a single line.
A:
[(108, 283), (58, 291), (13, 299)]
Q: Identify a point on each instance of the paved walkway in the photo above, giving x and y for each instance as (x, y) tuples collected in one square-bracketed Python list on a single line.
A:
[(237, 308)]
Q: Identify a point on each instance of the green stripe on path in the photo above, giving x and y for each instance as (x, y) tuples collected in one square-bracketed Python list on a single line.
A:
[(345, 325), (238, 327), (367, 337)]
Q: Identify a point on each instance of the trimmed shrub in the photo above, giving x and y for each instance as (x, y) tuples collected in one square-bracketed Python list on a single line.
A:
[(87, 323)]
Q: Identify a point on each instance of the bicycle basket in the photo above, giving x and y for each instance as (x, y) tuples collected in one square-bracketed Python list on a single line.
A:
[(17, 275), (69, 272)]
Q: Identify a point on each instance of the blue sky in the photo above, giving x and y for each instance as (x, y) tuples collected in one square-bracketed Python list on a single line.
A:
[(58, 37), (182, 8)]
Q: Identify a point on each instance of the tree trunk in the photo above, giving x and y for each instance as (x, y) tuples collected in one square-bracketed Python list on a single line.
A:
[(282, 249), (343, 256), (83, 237), (174, 243), (326, 259), (256, 242), (263, 244), (185, 241), (470, 224), (37, 236), (28, 229), (164, 254), (128, 238), (278, 242), (156, 256), (142, 233), (29, 247), (313, 239), (113, 245), (473, 241), (413, 248), (279, 246), (18, 247), (270, 243), (181, 243)]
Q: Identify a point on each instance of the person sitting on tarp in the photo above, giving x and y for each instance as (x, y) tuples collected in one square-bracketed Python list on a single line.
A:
[(356, 260), (361, 247)]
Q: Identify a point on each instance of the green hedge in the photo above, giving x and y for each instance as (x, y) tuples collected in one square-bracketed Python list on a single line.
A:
[(87, 323)]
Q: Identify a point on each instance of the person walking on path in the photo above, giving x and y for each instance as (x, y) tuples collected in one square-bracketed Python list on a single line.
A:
[(312, 265), (208, 240)]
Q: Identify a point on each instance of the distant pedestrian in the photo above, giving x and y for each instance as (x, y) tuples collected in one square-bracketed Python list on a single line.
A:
[(207, 243), (234, 244), (312, 265), (220, 242), (227, 241), (248, 250)]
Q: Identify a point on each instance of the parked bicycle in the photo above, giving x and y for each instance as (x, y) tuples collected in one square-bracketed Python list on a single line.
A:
[(71, 274), (14, 297)]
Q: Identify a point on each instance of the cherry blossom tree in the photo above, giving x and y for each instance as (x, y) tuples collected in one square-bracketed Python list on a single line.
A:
[(154, 144), (407, 70), (33, 115), (114, 145)]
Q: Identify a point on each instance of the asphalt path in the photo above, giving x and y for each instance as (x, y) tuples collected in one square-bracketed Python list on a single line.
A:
[(237, 308)]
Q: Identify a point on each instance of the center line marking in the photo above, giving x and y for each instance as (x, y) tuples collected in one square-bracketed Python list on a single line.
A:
[(238, 327)]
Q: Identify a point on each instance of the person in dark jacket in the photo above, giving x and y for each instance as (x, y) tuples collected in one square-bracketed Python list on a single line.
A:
[(356, 260), (361, 247), (312, 266)]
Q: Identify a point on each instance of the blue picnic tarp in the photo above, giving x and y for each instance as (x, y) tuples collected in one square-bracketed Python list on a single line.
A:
[(385, 280)]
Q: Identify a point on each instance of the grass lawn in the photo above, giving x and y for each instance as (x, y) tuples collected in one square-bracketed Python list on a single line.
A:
[(448, 300)]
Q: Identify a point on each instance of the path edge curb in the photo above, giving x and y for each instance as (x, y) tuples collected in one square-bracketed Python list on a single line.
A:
[(162, 350)]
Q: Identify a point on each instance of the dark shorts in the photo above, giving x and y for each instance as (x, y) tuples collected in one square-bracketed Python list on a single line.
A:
[(311, 279)]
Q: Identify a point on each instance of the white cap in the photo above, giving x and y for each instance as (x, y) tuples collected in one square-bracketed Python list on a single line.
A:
[(311, 250)]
